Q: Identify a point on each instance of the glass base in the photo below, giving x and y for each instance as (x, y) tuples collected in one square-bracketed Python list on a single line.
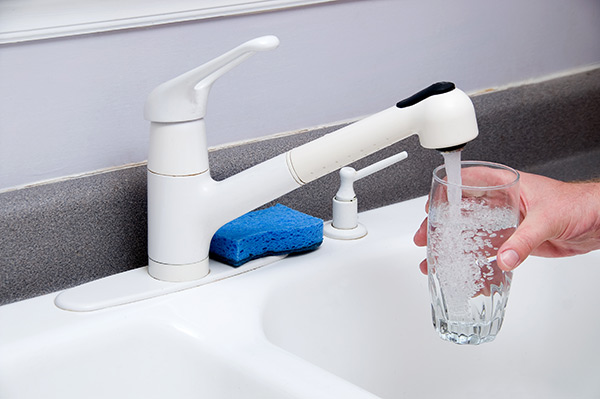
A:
[(462, 333)]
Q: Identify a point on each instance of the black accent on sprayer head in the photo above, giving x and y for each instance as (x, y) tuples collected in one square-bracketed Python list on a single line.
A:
[(453, 148), (434, 89)]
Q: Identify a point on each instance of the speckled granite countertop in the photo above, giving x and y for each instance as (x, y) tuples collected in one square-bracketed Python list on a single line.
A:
[(59, 235)]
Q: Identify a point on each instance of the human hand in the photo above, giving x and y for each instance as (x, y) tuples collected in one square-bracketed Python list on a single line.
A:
[(557, 219)]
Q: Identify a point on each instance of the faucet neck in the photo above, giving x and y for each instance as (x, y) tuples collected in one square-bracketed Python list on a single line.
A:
[(185, 211)]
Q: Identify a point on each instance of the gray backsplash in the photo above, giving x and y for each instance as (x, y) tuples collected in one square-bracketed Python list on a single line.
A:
[(59, 235)]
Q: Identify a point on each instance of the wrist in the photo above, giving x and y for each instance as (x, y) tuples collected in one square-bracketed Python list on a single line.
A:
[(589, 193)]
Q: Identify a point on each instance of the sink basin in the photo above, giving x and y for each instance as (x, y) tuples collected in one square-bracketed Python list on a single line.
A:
[(350, 320), (364, 316), (361, 319), (130, 353)]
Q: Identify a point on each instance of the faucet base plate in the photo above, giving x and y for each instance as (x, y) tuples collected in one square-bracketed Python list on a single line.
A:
[(137, 285)]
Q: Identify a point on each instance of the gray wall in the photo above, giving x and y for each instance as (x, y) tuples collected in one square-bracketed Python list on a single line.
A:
[(74, 105)]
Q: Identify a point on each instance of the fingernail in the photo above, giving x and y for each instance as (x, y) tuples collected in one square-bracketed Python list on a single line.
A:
[(510, 258)]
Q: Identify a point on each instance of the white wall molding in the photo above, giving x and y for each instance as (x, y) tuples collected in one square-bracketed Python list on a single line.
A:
[(22, 21)]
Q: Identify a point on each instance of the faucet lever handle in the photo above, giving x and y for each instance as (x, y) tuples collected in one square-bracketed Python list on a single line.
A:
[(184, 98)]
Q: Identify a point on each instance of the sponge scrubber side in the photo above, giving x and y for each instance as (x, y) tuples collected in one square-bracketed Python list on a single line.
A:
[(277, 230)]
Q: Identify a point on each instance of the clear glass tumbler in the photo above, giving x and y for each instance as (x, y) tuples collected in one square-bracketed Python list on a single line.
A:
[(472, 211)]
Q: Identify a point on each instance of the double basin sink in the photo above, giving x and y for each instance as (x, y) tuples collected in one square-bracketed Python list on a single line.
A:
[(349, 320)]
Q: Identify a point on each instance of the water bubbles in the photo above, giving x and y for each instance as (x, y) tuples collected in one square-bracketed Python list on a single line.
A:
[(463, 250)]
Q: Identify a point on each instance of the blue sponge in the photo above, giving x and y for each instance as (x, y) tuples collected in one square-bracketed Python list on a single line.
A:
[(277, 230)]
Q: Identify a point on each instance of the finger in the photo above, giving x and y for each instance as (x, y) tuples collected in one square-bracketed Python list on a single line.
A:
[(423, 266), (533, 232), (420, 238)]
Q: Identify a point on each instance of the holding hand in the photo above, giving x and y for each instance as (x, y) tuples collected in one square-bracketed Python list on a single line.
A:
[(557, 219)]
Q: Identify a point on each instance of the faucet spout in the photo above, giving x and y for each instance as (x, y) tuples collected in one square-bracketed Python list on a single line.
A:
[(186, 206), (441, 119)]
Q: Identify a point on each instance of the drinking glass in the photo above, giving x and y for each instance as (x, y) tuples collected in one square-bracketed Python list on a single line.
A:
[(473, 209)]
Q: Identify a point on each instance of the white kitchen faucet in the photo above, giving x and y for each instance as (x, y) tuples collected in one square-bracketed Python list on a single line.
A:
[(186, 206)]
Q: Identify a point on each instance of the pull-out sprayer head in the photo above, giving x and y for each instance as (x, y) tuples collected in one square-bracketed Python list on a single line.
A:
[(446, 114)]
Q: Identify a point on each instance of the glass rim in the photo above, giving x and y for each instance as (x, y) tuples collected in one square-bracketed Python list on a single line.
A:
[(482, 163)]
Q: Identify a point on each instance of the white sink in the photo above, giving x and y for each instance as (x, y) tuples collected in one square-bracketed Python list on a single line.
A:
[(366, 319), (140, 352), (350, 320)]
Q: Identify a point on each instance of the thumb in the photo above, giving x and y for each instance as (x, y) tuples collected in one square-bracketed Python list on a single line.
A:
[(533, 231)]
